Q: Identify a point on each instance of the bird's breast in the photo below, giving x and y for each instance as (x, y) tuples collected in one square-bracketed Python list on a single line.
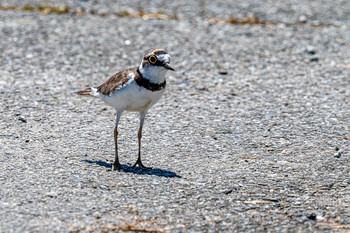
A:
[(133, 98)]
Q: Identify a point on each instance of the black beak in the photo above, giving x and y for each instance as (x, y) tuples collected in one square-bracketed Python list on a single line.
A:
[(167, 66)]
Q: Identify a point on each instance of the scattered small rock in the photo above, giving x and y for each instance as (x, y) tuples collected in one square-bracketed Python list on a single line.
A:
[(222, 71), (203, 88), (228, 191), (302, 19), (312, 216), (310, 50), (314, 59), (52, 194), (21, 118), (338, 154)]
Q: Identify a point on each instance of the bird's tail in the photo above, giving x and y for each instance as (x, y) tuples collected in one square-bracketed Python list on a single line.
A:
[(86, 92)]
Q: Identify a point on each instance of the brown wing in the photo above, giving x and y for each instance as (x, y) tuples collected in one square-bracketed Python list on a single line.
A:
[(116, 81)]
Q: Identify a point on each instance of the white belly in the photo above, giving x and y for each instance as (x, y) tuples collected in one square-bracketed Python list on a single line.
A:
[(132, 98)]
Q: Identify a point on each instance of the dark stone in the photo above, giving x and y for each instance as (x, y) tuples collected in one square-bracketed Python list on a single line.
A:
[(312, 216)]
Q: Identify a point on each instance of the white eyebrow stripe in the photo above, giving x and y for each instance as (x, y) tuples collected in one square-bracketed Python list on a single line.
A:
[(164, 58)]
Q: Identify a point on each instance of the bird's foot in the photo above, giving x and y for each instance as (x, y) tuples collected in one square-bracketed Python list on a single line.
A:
[(116, 166), (139, 163)]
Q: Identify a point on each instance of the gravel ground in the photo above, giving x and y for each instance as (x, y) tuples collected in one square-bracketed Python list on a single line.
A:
[(251, 135)]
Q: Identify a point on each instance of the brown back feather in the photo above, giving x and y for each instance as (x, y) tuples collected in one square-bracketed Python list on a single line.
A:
[(116, 81)]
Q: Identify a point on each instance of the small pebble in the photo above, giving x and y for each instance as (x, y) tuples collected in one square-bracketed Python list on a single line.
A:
[(228, 191), (312, 216), (338, 154), (21, 118), (222, 71), (310, 50), (302, 19), (314, 59)]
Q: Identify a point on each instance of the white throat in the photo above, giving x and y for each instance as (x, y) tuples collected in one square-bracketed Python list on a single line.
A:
[(155, 74)]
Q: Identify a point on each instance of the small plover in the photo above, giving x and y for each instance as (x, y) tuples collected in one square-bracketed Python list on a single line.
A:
[(135, 89)]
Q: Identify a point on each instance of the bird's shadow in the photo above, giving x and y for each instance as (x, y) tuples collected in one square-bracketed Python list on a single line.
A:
[(137, 170)]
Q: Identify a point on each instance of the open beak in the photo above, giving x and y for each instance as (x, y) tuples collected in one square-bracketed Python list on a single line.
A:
[(167, 66)]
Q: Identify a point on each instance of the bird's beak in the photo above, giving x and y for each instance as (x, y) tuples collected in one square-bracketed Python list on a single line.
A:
[(167, 66)]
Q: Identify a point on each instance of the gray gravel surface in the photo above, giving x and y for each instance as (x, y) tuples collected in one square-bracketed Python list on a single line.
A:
[(251, 135)]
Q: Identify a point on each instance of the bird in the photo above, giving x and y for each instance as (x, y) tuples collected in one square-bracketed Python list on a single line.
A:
[(134, 89)]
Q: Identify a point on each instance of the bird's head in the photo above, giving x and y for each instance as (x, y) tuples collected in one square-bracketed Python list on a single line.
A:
[(157, 58), (155, 62)]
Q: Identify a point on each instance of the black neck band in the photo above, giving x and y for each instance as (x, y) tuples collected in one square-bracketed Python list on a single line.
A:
[(147, 84)]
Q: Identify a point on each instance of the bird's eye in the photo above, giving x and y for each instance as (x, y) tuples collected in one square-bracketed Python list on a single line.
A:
[(152, 59)]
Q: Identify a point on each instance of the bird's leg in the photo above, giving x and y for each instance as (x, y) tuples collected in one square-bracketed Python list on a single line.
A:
[(116, 164), (139, 136)]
